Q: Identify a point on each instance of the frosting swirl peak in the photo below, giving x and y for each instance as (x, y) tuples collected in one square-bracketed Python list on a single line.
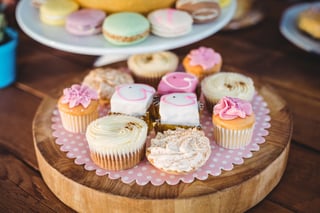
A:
[(229, 108), (78, 94)]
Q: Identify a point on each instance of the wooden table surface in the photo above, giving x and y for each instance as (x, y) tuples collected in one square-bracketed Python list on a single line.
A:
[(260, 50)]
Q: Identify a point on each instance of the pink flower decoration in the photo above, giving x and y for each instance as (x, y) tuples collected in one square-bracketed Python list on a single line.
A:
[(78, 94), (230, 108), (205, 57)]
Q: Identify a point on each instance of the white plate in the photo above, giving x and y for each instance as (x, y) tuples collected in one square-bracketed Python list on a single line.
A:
[(289, 28), (28, 19)]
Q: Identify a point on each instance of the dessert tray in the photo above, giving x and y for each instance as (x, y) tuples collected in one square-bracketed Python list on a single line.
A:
[(256, 173), (28, 19), (289, 29)]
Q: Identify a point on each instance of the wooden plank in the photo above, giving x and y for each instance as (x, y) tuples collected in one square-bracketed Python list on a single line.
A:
[(16, 114), (22, 188), (299, 188)]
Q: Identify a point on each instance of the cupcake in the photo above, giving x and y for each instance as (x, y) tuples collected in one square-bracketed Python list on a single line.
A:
[(135, 100), (177, 82), (178, 110), (117, 142), (179, 151), (149, 68), (78, 106), (233, 123), (104, 81), (218, 85), (202, 62)]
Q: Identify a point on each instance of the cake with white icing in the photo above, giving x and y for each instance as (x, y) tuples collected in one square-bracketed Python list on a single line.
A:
[(132, 99), (117, 142), (178, 109)]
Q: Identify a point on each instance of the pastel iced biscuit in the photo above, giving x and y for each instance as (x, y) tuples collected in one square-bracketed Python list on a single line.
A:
[(202, 62), (202, 11), (55, 12), (179, 151), (85, 22), (132, 99), (177, 82), (170, 22), (117, 142), (126, 28), (78, 106), (233, 122), (179, 109)]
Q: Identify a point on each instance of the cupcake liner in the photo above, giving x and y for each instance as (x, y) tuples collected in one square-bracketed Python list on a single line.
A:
[(152, 81), (118, 162), (77, 123), (232, 138)]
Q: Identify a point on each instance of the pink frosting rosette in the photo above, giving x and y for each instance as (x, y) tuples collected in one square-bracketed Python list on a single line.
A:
[(205, 57), (78, 94), (229, 108)]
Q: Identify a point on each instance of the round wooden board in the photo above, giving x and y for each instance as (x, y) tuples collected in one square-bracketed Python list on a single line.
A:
[(233, 191)]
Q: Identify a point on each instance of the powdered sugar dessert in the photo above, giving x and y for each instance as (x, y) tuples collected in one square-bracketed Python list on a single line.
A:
[(78, 106), (117, 142), (178, 110), (179, 151), (233, 122), (104, 81), (202, 62), (177, 82)]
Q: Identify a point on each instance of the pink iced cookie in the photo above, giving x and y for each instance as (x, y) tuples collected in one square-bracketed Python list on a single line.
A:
[(177, 82), (85, 22), (170, 22)]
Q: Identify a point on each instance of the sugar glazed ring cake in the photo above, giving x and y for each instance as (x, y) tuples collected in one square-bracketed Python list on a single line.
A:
[(179, 151), (117, 142)]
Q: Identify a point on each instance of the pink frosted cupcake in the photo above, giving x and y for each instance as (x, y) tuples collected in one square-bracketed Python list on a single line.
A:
[(177, 82), (233, 122), (78, 106), (202, 62)]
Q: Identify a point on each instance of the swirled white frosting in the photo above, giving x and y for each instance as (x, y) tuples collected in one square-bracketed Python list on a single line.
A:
[(116, 135), (180, 150), (230, 84)]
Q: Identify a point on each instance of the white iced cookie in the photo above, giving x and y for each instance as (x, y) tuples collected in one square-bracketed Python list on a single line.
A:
[(179, 151)]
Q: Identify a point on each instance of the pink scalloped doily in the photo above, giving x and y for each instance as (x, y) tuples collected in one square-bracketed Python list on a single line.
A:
[(77, 148)]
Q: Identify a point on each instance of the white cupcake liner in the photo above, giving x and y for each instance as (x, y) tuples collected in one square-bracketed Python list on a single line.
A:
[(77, 123), (231, 138), (118, 162)]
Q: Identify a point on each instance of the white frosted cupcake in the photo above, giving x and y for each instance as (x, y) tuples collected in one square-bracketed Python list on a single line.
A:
[(117, 142), (219, 85), (148, 68), (179, 151)]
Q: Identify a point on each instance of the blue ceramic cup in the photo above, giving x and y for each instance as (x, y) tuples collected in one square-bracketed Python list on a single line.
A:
[(8, 58)]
